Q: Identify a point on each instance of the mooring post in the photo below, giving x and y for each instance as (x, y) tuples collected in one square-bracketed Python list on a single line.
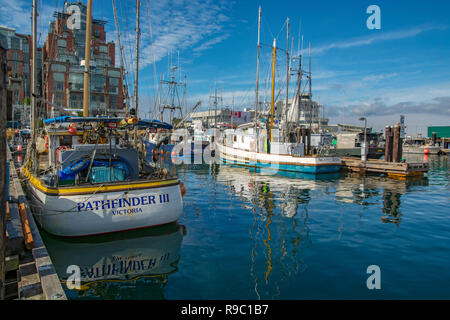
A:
[(388, 144), (400, 143), (396, 144)]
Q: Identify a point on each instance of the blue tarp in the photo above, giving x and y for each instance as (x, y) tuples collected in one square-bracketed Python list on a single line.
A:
[(79, 165), (141, 123), (154, 124), (81, 119)]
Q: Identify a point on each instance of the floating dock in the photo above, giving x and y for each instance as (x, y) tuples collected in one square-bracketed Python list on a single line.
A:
[(392, 169), (29, 271)]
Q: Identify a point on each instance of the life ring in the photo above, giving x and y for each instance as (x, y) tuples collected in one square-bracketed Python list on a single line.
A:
[(46, 142)]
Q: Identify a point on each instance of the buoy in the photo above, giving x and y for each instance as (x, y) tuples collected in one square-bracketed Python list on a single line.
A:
[(426, 151), (72, 130)]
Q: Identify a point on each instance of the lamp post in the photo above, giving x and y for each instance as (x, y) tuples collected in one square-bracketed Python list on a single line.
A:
[(364, 149)]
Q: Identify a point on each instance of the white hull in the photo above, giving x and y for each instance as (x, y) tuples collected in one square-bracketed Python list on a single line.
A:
[(305, 164), (112, 211), (421, 149)]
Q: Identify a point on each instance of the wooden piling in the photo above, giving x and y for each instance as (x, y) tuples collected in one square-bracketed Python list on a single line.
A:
[(388, 144), (396, 145)]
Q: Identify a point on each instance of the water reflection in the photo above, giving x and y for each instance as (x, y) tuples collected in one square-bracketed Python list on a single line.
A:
[(369, 190), (280, 233), (281, 205), (127, 265)]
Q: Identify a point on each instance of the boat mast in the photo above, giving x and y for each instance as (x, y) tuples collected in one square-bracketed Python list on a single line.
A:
[(310, 92), (287, 84), (31, 152), (33, 75), (136, 74), (299, 85), (273, 88), (122, 68), (257, 81), (87, 59)]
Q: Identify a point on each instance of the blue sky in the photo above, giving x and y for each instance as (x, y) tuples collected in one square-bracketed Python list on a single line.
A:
[(403, 68)]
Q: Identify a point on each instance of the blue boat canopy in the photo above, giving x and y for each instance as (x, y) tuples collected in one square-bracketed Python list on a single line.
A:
[(154, 124), (141, 123)]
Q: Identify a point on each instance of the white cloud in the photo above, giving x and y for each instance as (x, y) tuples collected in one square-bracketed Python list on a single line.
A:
[(379, 37)]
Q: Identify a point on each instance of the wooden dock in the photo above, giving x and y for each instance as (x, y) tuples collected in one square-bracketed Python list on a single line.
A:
[(29, 271), (392, 169)]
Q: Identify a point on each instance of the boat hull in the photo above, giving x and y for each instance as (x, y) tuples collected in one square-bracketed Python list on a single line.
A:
[(275, 162), (85, 214), (421, 149)]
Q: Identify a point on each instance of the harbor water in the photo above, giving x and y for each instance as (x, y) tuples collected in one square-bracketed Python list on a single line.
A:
[(258, 235)]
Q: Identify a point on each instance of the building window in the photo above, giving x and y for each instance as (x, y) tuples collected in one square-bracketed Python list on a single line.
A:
[(58, 68), (58, 86), (62, 43), (114, 73), (15, 43), (114, 89), (113, 81), (58, 76)]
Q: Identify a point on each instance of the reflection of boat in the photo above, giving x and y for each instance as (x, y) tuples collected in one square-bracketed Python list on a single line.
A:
[(279, 231), (419, 145), (285, 185), (140, 258)]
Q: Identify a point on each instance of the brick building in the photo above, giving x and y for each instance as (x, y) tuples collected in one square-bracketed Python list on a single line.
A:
[(19, 71), (64, 52)]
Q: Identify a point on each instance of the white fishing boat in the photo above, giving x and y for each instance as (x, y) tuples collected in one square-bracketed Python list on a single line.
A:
[(285, 146), (238, 147), (87, 175), (81, 188)]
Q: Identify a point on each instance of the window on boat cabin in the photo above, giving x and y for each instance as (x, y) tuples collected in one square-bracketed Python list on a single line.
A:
[(242, 139), (234, 138), (65, 141)]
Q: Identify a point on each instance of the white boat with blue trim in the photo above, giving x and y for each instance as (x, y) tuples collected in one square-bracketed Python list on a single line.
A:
[(88, 180), (242, 147)]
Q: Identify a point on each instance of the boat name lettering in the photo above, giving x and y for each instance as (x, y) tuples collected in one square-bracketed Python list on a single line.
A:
[(122, 203)]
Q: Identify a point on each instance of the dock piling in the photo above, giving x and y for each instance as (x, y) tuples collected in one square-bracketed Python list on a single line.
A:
[(388, 144)]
